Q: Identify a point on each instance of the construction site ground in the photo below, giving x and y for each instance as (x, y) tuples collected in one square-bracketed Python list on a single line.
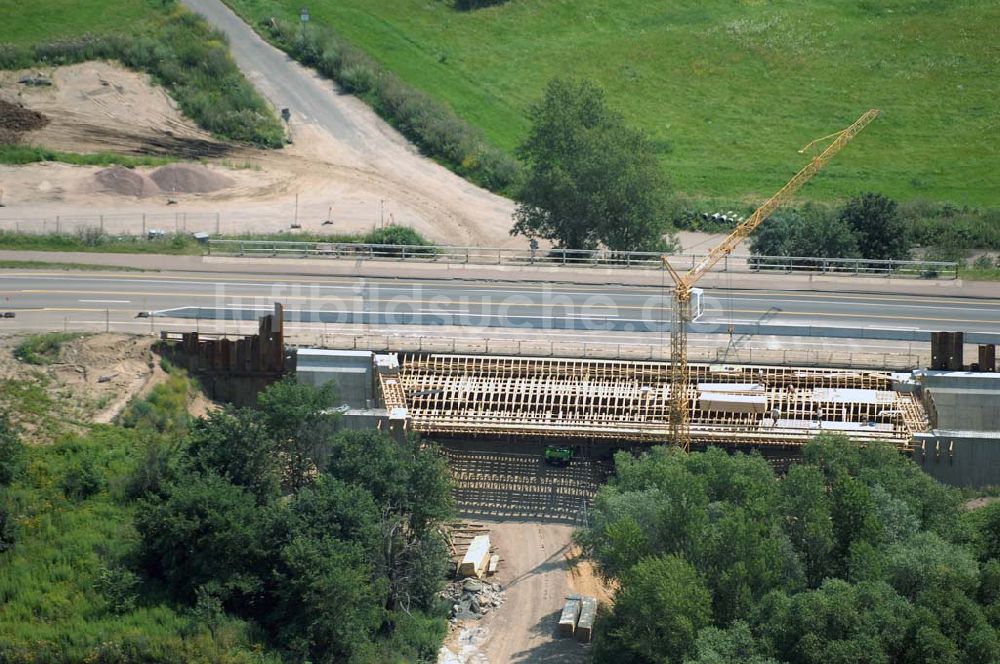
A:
[(531, 509), (102, 107)]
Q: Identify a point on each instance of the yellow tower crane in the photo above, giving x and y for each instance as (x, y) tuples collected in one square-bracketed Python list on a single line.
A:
[(680, 312)]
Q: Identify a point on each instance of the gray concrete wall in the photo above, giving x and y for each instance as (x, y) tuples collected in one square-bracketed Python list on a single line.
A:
[(961, 458), (350, 370), (964, 401)]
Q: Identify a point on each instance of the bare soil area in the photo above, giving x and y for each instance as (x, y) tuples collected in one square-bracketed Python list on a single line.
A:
[(90, 382), (100, 106), (978, 503)]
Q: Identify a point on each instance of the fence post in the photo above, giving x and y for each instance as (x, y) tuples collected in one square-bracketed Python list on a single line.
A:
[(58, 229), (102, 224), (144, 226), (217, 227)]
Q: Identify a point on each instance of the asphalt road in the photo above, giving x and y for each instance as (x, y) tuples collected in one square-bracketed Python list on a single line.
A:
[(528, 309)]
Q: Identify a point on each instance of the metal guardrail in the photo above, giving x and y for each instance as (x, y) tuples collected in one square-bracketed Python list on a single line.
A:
[(577, 258)]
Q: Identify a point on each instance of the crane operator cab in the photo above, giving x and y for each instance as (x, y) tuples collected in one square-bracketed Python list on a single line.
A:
[(697, 303)]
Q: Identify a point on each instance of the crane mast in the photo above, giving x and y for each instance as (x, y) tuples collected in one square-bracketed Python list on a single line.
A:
[(680, 311)]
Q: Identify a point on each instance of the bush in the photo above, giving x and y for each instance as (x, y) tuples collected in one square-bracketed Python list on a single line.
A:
[(42, 348), (83, 479), (119, 587), (8, 529), (11, 451), (165, 409)]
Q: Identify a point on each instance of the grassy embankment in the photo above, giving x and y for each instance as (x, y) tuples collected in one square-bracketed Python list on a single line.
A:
[(728, 91), (67, 592), (176, 47)]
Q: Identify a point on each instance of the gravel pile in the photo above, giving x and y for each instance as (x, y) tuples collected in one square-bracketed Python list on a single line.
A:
[(189, 179), (124, 182)]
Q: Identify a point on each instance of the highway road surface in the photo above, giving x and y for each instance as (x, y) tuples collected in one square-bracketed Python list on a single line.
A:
[(182, 301)]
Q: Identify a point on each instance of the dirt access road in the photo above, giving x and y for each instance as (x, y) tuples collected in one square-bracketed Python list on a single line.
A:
[(531, 510), (344, 131)]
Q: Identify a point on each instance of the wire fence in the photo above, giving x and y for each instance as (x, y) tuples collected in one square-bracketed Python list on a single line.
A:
[(148, 225)]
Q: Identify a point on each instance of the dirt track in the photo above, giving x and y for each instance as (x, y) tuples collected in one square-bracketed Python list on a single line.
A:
[(531, 509)]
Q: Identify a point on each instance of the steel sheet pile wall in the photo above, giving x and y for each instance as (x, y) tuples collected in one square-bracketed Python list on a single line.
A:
[(234, 370), (600, 399)]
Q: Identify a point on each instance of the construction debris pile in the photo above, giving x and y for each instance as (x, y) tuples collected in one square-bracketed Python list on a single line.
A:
[(471, 599), (629, 401), (16, 120)]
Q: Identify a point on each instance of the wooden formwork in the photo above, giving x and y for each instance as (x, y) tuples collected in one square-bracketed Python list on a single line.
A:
[(609, 399)]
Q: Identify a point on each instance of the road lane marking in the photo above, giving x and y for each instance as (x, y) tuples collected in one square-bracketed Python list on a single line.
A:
[(546, 305), (303, 280), (107, 301)]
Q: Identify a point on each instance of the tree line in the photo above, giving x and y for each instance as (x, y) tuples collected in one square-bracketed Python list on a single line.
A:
[(867, 226), (855, 555)]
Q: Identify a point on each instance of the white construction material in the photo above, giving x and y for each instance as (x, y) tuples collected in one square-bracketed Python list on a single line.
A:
[(732, 403), (570, 614), (476, 557), (731, 388), (585, 625)]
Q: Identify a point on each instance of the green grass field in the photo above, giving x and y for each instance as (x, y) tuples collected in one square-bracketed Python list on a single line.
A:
[(729, 91), (48, 20)]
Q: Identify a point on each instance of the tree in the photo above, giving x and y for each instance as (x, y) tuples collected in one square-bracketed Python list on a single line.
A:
[(880, 230), (838, 623), (808, 521), (733, 645), (329, 606), (590, 179), (238, 446), (658, 611), (206, 531), (301, 424)]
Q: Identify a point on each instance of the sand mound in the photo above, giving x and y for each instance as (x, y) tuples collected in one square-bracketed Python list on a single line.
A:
[(125, 182), (189, 179)]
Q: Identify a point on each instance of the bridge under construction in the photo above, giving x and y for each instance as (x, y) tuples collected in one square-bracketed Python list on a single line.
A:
[(585, 399)]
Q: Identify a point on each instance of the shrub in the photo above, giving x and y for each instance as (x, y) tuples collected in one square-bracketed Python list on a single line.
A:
[(8, 529), (83, 479), (11, 451), (42, 348), (119, 587)]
